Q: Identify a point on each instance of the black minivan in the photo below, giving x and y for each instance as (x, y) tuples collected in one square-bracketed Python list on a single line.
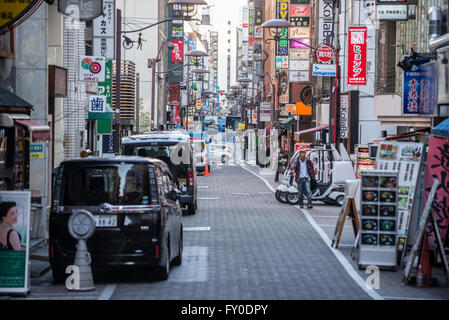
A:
[(136, 207), (175, 149)]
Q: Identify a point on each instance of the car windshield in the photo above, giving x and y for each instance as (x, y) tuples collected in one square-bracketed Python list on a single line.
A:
[(198, 146), (116, 184)]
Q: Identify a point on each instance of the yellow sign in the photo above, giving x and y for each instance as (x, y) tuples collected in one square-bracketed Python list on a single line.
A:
[(241, 126), (303, 110), (13, 10)]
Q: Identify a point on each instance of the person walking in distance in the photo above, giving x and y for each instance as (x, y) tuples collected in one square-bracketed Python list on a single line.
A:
[(304, 174)]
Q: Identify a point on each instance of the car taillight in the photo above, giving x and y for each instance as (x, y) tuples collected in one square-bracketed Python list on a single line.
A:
[(52, 251), (157, 250), (191, 179)]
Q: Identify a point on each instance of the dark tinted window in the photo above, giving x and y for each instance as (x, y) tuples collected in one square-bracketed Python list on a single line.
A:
[(124, 183)]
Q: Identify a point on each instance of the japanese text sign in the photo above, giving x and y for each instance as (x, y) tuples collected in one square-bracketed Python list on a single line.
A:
[(97, 104), (438, 167), (357, 55), (419, 90)]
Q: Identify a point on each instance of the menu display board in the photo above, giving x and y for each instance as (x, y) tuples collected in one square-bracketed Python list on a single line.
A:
[(363, 160), (378, 218), (404, 157)]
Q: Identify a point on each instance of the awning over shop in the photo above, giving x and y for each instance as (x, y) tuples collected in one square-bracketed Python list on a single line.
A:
[(287, 123), (442, 129), (38, 131), (298, 133), (419, 132), (108, 115), (9, 99), (7, 119)]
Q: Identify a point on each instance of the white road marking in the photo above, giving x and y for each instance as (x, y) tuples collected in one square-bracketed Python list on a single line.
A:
[(108, 292), (325, 216), (208, 198), (410, 298), (340, 257), (196, 228), (241, 193), (331, 225), (203, 187)]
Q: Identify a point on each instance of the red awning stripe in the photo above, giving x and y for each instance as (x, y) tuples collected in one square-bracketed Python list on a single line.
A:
[(326, 126), (38, 130)]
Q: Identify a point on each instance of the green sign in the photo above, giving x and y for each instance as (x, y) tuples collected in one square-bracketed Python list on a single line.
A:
[(104, 126), (14, 261), (12, 269), (105, 87), (36, 151)]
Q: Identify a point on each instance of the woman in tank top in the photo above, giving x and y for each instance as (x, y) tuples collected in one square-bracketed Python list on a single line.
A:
[(10, 239)]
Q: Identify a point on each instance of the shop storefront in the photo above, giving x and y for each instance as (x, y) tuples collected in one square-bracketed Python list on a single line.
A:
[(18, 133)]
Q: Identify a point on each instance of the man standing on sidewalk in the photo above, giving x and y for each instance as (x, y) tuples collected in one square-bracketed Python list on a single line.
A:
[(304, 174)]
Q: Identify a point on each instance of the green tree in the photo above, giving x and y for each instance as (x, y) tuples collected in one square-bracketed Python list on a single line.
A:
[(144, 118)]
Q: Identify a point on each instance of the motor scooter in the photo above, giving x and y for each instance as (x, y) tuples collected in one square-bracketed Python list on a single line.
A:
[(330, 192)]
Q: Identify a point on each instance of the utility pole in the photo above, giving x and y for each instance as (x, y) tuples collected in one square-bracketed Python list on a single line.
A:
[(118, 63), (152, 65), (137, 102)]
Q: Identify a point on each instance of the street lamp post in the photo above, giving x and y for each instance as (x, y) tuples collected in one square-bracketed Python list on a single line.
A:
[(196, 56), (244, 83)]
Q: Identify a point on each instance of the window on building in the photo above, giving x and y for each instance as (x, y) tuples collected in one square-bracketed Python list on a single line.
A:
[(386, 58)]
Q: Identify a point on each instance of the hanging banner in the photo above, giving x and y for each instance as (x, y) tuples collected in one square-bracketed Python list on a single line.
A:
[(325, 20), (175, 36), (105, 87), (283, 86), (14, 259), (357, 55), (103, 32), (419, 92), (437, 167), (344, 110)]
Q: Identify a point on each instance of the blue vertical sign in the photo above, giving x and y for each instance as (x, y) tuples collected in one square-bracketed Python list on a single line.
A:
[(419, 90)]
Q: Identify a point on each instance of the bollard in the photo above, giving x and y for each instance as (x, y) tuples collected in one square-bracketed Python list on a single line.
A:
[(81, 227)]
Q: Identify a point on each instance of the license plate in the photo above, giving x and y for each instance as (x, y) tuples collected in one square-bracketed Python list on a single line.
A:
[(106, 221), (182, 181)]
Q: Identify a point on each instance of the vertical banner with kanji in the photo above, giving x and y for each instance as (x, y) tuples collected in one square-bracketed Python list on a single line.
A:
[(357, 55)]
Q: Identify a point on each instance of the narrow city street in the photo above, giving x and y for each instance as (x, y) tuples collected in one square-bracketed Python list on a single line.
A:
[(241, 244)]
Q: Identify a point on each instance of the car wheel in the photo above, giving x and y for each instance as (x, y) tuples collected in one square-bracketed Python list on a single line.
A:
[(164, 271), (59, 275), (224, 159), (191, 210), (178, 260), (293, 198)]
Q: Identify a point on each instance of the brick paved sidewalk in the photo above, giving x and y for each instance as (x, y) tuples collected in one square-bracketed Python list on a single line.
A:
[(391, 285)]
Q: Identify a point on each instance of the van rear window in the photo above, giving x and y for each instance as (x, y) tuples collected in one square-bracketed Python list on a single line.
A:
[(116, 184)]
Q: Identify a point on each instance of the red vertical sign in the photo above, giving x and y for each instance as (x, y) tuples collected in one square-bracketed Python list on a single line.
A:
[(177, 52), (357, 55)]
